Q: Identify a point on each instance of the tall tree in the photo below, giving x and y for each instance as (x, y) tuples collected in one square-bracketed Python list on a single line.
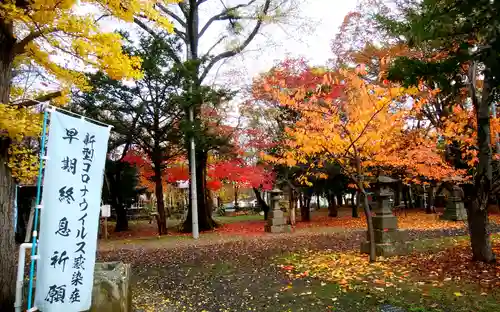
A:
[(459, 48), (267, 120), (147, 112), (30, 32), (354, 124), (127, 188), (243, 21)]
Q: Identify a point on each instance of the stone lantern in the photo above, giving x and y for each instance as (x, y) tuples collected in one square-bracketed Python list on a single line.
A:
[(455, 209), (276, 221), (389, 240)]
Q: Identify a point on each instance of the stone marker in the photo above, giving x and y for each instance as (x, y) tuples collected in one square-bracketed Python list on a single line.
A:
[(389, 240), (455, 209), (276, 221), (112, 291)]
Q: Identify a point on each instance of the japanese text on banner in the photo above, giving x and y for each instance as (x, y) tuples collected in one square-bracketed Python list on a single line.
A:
[(76, 154)]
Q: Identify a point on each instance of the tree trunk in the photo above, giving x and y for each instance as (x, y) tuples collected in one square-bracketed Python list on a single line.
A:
[(121, 218), (355, 206), (477, 212), (7, 235), (236, 206), (301, 200), (332, 206), (7, 243), (430, 200), (305, 210), (411, 197), (160, 202), (261, 202), (205, 221), (477, 218), (6, 59), (318, 204), (397, 194), (405, 197), (366, 208), (116, 198), (369, 221), (340, 200), (291, 208)]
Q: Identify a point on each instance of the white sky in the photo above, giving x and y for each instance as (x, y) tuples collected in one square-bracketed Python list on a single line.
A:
[(309, 35), (325, 17)]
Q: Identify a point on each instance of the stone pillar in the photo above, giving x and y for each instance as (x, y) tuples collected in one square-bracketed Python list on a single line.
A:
[(455, 209), (389, 240), (112, 288), (276, 221)]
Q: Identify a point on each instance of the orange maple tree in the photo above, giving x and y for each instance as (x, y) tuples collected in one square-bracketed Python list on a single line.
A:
[(358, 125)]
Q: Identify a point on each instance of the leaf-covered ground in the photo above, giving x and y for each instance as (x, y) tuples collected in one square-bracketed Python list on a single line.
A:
[(308, 270), (253, 225)]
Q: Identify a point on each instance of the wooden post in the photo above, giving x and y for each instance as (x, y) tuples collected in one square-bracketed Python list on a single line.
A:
[(105, 228), (29, 227)]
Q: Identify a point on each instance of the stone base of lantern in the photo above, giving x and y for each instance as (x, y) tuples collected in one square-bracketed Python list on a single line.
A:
[(277, 223), (284, 228), (388, 243), (454, 211)]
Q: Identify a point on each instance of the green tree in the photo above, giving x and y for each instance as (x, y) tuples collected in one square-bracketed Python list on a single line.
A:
[(146, 115), (244, 21), (121, 183), (458, 45)]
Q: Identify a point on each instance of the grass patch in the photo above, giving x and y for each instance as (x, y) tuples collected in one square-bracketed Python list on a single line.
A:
[(242, 218)]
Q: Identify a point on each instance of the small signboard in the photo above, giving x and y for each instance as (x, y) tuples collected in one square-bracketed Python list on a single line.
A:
[(105, 211)]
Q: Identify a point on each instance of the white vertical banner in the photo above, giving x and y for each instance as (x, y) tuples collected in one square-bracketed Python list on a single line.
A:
[(69, 222)]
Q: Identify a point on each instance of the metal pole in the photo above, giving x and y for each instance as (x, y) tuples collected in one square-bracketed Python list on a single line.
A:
[(194, 198), (192, 160), (18, 303), (37, 208), (15, 208)]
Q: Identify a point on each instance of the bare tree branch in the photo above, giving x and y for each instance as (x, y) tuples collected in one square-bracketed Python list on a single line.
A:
[(19, 47), (241, 47), (225, 15), (214, 45), (172, 14), (38, 100), (181, 34), (170, 51), (184, 9), (145, 27)]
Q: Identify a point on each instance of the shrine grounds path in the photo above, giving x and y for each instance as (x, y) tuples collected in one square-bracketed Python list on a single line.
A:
[(228, 272)]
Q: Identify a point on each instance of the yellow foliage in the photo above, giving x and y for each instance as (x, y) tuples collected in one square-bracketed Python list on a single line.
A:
[(17, 123), (461, 127), (52, 34), (359, 126), (24, 163)]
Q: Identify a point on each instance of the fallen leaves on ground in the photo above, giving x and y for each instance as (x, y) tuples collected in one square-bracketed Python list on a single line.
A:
[(413, 220), (352, 269), (242, 275)]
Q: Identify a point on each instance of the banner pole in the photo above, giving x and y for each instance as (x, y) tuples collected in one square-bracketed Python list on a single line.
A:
[(15, 208), (37, 209)]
